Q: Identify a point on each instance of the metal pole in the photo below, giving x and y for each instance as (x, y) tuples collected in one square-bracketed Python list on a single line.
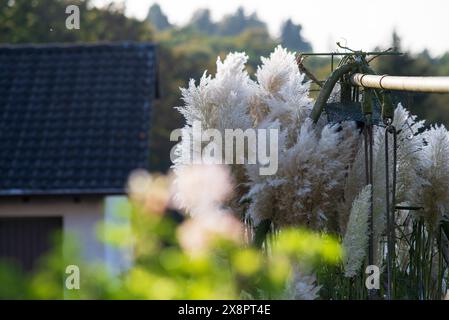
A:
[(390, 205), (415, 84), (370, 53)]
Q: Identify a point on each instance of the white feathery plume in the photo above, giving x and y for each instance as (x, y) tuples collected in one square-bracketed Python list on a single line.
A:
[(410, 143), (261, 188), (314, 171), (355, 181), (231, 92), (355, 241), (313, 159), (435, 173), (219, 103), (409, 181), (301, 286), (276, 74), (283, 91), (283, 104)]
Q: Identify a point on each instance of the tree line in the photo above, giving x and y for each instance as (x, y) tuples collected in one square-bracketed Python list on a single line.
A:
[(186, 51)]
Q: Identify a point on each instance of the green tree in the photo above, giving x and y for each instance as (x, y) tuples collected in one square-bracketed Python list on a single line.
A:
[(236, 23), (201, 21), (291, 37), (157, 18), (44, 21), (431, 107)]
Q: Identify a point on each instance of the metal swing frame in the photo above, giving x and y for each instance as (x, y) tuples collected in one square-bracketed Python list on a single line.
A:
[(354, 73)]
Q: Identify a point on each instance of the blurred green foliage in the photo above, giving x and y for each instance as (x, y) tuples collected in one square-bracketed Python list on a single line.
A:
[(164, 268)]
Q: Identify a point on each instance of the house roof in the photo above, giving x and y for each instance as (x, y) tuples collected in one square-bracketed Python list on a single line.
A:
[(74, 119)]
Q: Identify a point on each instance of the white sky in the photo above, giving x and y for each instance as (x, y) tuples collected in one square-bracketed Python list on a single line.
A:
[(361, 24)]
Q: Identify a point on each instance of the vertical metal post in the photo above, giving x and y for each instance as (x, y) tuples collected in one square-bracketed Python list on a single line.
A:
[(367, 110), (332, 63), (371, 213), (369, 141), (390, 205), (393, 205)]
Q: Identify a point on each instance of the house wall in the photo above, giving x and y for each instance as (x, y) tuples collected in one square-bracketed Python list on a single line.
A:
[(117, 212), (80, 219)]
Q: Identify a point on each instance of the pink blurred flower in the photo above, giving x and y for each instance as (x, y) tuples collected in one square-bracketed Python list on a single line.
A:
[(151, 191), (201, 189), (198, 234)]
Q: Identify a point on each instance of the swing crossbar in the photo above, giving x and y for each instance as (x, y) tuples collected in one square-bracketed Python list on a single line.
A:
[(415, 84)]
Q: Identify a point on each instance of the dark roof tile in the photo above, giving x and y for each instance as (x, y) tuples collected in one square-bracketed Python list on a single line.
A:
[(74, 118)]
